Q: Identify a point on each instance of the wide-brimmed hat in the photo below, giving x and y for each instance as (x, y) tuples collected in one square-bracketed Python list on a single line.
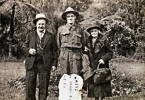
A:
[(95, 25), (40, 16), (69, 10)]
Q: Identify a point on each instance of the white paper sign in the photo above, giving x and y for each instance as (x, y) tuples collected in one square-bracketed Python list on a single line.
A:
[(70, 87)]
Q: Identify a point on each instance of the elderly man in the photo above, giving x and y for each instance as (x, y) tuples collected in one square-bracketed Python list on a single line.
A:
[(40, 48), (70, 41)]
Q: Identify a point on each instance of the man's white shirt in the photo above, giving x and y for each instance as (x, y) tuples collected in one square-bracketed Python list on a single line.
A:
[(41, 34)]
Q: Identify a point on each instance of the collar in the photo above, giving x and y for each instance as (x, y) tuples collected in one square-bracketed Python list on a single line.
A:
[(38, 32), (41, 34), (71, 26)]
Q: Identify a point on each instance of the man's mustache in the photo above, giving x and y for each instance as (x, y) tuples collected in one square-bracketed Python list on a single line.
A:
[(41, 27)]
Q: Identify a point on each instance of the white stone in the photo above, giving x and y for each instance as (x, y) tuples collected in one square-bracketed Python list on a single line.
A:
[(70, 87)]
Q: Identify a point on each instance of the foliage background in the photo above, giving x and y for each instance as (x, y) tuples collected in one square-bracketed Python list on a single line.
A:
[(124, 22)]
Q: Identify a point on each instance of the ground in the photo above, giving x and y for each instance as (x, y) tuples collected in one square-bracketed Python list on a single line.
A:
[(9, 71), (15, 70)]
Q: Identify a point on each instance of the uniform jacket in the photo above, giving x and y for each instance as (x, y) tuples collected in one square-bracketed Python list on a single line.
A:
[(70, 41), (70, 36), (49, 50)]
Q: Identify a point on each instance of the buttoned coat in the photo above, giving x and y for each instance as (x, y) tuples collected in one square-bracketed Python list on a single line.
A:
[(100, 50), (49, 50)]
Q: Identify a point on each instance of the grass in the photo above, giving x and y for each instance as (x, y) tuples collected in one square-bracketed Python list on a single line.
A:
[(9, 71), (13, 70)]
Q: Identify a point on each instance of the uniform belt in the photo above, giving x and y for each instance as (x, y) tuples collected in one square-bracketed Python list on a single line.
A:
[(71, 48)]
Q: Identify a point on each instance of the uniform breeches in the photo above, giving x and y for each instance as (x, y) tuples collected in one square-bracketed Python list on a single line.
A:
[(70, 62)]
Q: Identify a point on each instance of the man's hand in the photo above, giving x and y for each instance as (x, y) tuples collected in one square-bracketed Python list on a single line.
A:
[(53, 68), (32, 51), (86, 49), (101, 61)]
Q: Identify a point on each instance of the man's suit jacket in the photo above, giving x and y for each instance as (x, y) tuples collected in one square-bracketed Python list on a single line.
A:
[(49, 50)]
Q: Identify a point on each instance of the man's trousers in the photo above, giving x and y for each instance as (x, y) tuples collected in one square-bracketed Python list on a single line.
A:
[(43, 76)]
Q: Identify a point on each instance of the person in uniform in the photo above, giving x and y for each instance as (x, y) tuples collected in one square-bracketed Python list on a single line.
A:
[(99, 52), (40, 48), (70, 41)]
